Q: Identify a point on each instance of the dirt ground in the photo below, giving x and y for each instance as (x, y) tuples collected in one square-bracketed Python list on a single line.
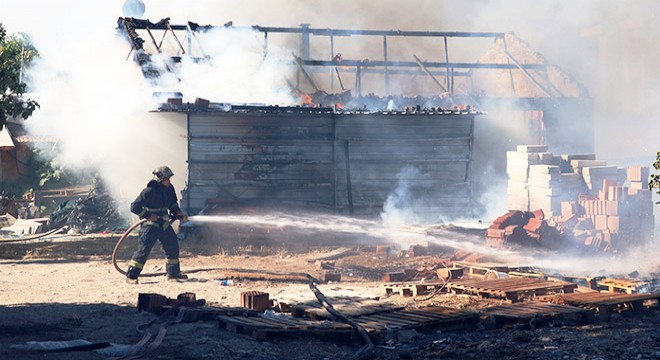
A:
[(65, 288)]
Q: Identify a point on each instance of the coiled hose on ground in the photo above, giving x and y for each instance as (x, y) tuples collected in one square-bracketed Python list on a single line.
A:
[(36, 236)]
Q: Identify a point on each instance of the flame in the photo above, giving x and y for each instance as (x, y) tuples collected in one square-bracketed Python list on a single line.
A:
[(306, 99)]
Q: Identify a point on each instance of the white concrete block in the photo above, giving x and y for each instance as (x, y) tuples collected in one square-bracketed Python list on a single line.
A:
[(532, 148), (544, 169), (522, 156)]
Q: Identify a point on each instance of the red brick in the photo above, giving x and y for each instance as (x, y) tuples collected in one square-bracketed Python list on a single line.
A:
[(255, 300), (332, 276), (539, 214), (394, 277)]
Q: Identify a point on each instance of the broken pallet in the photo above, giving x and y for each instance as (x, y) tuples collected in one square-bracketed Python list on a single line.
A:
[(411, 288), (316, 312), (622, 286), (267, 328), (513, 289), (605, 304), (379, 325), (534, 312)]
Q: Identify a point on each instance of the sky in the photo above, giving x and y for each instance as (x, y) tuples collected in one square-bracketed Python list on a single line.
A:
[(607, 45)]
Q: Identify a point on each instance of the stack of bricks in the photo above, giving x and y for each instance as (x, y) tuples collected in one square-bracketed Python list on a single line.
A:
[(545, 188), (517, 168), (582, 195), (535, 180)]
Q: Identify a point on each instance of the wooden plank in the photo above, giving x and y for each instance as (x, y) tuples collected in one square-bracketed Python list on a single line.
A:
[(524, 312), (605, 298)]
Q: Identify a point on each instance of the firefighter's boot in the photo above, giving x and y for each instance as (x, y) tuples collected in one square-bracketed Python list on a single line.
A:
[(132, 275), (174, 270)]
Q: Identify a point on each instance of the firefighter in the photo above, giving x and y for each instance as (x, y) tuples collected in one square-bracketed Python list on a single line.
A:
[(158, 204)]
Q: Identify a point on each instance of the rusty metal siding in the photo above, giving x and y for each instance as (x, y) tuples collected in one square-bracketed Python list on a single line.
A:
[(300, 159)]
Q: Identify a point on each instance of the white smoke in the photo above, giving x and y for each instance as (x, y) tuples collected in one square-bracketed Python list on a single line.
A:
[(95, 100), (399, 206), (236, 70), (88, 92)]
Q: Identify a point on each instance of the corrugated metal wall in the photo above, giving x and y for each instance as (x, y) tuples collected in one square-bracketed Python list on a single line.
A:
[(423, 161), (295, 159)]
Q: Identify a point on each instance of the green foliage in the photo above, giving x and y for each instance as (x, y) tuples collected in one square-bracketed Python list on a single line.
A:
[(46, 174), (654, 182), (15, 53)]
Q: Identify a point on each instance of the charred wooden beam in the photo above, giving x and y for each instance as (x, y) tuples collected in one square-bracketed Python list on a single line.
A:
[(529, 76), (429, 64), (427, 72), (329, 32), (304, 72)]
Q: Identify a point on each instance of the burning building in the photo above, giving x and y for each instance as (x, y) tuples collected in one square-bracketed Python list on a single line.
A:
[(357, 125)]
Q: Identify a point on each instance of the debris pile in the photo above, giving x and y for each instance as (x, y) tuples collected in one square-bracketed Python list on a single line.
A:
[(522, 227), (601, 207), (96, 212)]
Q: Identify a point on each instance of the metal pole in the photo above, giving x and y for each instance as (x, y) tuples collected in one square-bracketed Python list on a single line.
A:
[(447, 62), (190, 35), (304, 41), (332, 54), (387, 74), (513, 84), (265, 44)]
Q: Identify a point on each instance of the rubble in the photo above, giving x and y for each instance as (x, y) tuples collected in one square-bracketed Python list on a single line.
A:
[(442, 305), (93, 213)]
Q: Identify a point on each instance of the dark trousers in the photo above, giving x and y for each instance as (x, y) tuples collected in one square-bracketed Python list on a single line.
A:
[(148, 236)]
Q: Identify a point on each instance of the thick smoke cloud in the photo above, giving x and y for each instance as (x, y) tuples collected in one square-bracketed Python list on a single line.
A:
[(97, 103)]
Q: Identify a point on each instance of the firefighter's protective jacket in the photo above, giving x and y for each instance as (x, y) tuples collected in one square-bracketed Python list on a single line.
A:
[(157, 199)]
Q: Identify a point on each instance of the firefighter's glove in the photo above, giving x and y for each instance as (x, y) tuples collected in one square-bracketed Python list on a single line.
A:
[(181, 216)]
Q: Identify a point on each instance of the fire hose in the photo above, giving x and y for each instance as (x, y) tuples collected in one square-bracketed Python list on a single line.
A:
[(364, 353), (36, 236), (121, 240)]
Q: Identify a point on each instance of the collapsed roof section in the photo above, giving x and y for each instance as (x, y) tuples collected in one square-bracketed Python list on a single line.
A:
[(545, 81), (509, 69)]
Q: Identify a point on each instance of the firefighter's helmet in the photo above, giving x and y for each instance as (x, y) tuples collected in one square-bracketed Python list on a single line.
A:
[(162, 172)]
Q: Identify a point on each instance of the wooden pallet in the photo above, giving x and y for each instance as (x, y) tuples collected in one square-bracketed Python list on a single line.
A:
[(604, 304), (513, 289), (412, 288), (316, 312), (266, 328), (209, 313), (621, 285), (533, 311), (378, 325), (479, 270)]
